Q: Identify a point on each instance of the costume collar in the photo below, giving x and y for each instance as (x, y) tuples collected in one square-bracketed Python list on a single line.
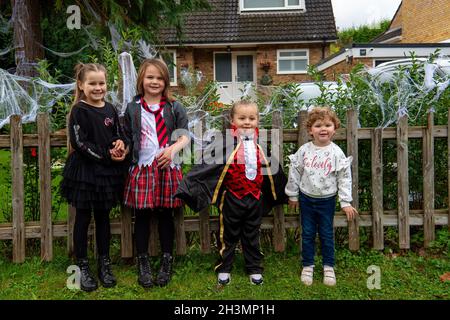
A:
[(253, 136)]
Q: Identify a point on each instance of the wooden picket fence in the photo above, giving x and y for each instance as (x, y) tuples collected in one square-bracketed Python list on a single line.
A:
[(205, 223)]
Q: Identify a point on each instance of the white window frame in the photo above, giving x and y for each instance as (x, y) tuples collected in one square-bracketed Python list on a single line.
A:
[(174, 56), (292, 58), (300, 6)]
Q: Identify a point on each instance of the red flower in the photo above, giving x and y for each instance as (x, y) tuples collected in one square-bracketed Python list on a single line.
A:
[(33, 152)]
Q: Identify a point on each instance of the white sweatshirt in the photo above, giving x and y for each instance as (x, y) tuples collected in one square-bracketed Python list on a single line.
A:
[(320, 172)]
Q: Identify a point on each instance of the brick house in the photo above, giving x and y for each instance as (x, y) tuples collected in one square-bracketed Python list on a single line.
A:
[(418, 21), (418, 26), (241, 40), (373, 54)]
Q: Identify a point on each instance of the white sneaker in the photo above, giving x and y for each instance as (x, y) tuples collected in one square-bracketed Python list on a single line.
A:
[(329, 278), (307, 275), (224, 278), (256, 278)]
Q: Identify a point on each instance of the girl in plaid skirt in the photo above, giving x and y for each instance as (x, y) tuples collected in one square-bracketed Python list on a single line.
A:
[(152, 122)]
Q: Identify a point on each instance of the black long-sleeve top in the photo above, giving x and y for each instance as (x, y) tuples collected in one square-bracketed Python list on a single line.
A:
[(92, 131)]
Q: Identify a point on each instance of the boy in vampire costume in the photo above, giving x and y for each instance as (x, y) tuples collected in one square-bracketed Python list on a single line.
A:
[(235, 175)]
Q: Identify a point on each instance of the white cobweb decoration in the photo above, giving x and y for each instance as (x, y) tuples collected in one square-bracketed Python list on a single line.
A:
[(26, 96), (397, 93)]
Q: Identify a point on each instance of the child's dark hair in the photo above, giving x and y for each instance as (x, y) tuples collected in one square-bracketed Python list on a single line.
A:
[(81, 69), (322, 113), (241, 103), (162, 68)]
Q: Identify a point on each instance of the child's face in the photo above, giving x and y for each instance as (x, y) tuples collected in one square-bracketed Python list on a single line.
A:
[(322, 131), (245, 118), (153, 83), (94, 87)]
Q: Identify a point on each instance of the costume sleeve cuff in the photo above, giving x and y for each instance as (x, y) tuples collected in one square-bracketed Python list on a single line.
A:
[(345, 204)]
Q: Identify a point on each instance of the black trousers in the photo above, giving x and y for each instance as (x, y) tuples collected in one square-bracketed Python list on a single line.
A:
[(240, 219), (102, 232), (166, 229)]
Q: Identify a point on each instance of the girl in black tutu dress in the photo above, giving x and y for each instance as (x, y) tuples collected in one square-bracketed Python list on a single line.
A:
[(94, 172)]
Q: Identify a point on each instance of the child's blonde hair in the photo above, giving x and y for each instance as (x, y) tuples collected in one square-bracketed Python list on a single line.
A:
[(242, 103), (162, 68), (322, 113), (81, 69)]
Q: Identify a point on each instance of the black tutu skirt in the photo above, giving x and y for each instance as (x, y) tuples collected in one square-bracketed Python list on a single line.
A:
[(91, 185)]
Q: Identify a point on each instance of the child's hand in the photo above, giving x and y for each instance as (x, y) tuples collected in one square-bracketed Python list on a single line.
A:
[(293, 205), (119, 148), (165, 158), (350, 212), (118, 158)]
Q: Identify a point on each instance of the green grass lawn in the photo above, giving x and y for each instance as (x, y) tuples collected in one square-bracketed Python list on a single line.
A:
[(406, 276)]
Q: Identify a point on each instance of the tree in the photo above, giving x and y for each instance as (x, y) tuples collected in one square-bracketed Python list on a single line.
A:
[(27, 35), (361, 34), (149, 16)]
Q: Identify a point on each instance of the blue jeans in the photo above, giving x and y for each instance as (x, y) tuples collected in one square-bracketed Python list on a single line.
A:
[(317, 213)]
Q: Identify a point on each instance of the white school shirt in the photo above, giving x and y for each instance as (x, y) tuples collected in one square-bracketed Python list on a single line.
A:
[(320, 172), (149, 138)]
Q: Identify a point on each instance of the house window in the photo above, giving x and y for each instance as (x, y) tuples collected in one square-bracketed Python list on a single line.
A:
[(170, 58), (376, 63), (258, 5), (292, 61)]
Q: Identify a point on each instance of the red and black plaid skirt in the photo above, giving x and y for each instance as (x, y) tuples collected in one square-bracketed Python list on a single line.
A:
[(151, 187)]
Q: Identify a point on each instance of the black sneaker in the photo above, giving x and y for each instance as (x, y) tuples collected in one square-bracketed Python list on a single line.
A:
[(256, 279), (224, 278)]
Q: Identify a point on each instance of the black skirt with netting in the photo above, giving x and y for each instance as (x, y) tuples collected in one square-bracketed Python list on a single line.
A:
[(91, 185)]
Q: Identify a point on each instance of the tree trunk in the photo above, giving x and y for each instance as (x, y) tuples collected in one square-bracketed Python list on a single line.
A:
[(27, 36)]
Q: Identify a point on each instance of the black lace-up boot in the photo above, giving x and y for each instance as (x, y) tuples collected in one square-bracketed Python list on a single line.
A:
[(165, 271), (105, 274), (144, 271), (87, 280)]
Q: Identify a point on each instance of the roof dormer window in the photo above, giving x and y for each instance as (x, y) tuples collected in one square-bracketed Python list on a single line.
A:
[(271, 5)]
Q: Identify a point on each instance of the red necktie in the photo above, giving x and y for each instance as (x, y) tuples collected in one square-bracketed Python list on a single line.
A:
[(161, 129)]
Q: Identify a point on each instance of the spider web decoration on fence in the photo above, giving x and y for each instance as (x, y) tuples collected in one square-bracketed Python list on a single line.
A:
[(405, 90), (26, 96)]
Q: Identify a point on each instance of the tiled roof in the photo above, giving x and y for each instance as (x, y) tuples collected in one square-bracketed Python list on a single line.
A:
[(224, 24), (388, 35)]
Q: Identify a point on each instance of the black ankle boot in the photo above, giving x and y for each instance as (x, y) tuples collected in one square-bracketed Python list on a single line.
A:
[(165, 271), (105, 274), (144, 271), (87, 280)]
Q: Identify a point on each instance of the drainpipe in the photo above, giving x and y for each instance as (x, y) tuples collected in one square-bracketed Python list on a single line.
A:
[(323, 49)]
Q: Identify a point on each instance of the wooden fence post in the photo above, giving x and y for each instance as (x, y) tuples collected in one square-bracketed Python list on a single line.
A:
[(302, 138), (154, 235), (279, 224), (180, 234), (17, 189), (126, 232), (377, 189), (428, 181), (352, 150), (45, 190), (403, 182)]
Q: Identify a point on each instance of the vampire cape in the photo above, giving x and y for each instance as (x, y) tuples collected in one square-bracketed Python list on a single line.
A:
[(203, 185)]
